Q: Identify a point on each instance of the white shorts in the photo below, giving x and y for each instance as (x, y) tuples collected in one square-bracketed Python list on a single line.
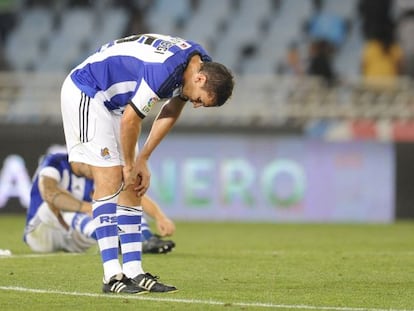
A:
[(92, 132), (45, 234)]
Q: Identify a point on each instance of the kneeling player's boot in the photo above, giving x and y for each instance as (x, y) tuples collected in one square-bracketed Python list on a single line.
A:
[(150, 283), (156, 245)]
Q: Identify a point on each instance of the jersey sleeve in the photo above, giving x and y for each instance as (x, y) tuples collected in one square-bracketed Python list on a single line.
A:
[(144, 99), (51, 172), (53, 166)]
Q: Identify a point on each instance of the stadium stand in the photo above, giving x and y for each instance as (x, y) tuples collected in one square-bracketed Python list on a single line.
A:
[(251, 37), (24, 45)]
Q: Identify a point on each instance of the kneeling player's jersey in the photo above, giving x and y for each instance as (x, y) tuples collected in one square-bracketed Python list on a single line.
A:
[(57, 166), (140, 69)]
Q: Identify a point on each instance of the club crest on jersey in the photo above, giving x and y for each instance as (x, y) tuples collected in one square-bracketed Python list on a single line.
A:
[(105, 153), (151, 102)]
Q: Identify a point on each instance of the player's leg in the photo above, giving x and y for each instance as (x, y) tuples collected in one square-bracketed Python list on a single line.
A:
[(129, 221), (81, 233), (89, 135), (44, 233), (105, 218), (129, 213), (81, 223), (106, 224), (129, 224)]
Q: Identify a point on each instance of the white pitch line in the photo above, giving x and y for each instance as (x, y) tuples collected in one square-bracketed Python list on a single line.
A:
[(194, 301), (39, 255)]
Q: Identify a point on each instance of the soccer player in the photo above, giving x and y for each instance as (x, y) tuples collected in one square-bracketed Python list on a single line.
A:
[(104, 101), (59, 215)]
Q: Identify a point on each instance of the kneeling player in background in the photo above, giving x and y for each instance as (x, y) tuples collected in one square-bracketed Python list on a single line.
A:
[(59, 215)]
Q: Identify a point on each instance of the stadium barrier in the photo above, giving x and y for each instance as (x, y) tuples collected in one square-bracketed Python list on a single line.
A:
[(237, 176)]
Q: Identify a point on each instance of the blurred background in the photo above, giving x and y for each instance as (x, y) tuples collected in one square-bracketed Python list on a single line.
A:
[(320, 127)]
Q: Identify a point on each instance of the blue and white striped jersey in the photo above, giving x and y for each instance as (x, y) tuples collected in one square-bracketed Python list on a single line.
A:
[(57, 166), (140, 69)]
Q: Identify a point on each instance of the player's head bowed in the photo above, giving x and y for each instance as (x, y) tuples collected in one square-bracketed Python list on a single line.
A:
[(219, 81)]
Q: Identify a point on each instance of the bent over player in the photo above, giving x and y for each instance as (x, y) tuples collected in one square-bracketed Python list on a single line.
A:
[(103, 102), (59, 215)]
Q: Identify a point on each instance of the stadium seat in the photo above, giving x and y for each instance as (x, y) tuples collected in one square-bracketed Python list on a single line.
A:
[(165, 16), (65, 46), (212, 15), (110, 28), (24, 44)]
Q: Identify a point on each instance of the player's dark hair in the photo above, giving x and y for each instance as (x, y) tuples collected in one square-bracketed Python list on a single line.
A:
[(220, 81)]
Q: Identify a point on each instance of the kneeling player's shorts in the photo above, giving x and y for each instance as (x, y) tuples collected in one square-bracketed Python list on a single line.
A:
[(45, 234)]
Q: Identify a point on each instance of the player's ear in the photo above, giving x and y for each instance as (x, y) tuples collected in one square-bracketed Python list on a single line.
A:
[(200, 77)]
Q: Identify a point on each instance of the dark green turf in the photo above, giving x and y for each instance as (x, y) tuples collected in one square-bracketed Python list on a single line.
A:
[(222, 266)]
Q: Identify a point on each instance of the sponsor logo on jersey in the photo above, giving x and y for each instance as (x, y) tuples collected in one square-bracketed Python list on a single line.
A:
[(184, 45), (151, 102), (105, 153), (108, 219)]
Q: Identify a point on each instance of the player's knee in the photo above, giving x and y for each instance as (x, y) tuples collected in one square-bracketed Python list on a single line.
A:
[(112, 196), (108, 182)]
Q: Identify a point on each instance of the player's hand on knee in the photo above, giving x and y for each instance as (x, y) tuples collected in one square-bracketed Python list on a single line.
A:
[(142, 185)]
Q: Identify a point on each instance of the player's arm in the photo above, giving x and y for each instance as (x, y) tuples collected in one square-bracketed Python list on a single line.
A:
[(165, 226), (131, 123), (60, 199), (162, 124)]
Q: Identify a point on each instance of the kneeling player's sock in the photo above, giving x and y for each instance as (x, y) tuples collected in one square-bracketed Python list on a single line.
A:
[(84, 224), (145, 229), (129, 223)]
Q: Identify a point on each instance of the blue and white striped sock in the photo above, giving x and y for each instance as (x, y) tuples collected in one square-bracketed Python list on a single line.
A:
[(84, 224), (129, 224), (145, 229), (106, 224)]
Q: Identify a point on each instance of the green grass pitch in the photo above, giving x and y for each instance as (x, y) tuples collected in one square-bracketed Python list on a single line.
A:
[(229, 266)]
